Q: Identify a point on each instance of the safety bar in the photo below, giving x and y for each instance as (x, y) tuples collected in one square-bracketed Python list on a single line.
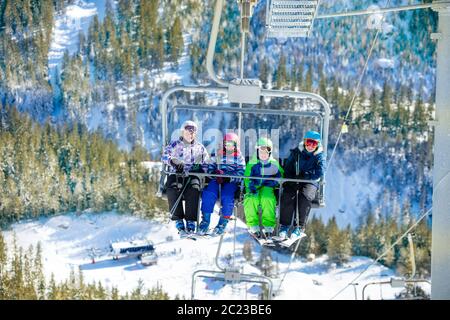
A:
[(281, 180)]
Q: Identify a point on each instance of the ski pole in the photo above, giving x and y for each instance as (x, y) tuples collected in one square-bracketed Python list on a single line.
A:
[(172, 212)]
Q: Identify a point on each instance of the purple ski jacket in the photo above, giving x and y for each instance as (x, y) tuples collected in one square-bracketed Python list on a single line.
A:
[(190, 153)]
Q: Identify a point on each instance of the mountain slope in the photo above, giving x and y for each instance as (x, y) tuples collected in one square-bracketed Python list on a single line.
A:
[(65, 240)]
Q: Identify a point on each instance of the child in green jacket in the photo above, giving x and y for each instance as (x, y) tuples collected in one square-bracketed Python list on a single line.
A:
[(260, 192)]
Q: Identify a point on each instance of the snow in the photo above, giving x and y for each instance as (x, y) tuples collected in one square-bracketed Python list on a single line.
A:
[(66, 31), (66, 240), (182, 74), (347, 194), (385, 63), (152, 165)]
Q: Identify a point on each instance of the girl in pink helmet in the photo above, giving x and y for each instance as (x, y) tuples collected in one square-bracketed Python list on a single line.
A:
[(228, 161)]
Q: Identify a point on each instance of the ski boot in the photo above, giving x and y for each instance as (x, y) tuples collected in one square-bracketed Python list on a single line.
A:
[(255, 232), (220, 228), (298, 232), (268, 233), (203, 227), (190, 226), (283, 232), (179, 224)]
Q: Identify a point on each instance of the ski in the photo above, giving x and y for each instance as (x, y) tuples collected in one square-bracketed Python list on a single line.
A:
[(289, 242), (199, 236), (278, 239), (184, 235), (206, 235), (262, 241)]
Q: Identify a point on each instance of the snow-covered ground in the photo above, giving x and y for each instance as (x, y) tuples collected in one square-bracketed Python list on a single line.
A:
[(66, 239)]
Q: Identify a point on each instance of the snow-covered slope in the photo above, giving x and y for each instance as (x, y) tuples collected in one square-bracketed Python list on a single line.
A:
[(66, 240), (65, 36), (347, 195)]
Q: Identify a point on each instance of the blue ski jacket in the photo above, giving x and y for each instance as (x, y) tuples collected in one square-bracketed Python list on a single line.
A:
[(302, 164)]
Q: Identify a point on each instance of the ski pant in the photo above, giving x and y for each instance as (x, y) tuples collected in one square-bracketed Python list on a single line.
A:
[(307, 193), (210, 195), (191, 196), (264, 198)]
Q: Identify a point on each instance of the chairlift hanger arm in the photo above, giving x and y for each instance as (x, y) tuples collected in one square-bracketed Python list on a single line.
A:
[(212, 44)]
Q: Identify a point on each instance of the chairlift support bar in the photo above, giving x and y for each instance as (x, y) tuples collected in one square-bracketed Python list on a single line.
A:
[(378, 10)]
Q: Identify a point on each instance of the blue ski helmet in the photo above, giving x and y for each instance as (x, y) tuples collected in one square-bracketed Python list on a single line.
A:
[(314, 135)]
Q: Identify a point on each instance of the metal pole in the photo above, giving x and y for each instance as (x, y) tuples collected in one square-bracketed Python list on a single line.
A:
[(242, 76), (440, 254), (374, 11), (218, 253)]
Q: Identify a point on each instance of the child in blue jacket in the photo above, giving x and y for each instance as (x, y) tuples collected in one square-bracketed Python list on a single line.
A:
[(228, 161), (305, 162)]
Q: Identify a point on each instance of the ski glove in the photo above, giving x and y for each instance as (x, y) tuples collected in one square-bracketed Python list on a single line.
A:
[(219, 180), (253, 189), (178, 165), (197, 168), (270, 183)]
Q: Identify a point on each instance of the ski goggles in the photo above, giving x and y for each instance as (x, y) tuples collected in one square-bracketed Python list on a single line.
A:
[(190, 128), (265, 148), (229, 143), (311, 143)]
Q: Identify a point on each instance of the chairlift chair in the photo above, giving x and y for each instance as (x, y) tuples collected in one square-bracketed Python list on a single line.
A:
[(250, 91)]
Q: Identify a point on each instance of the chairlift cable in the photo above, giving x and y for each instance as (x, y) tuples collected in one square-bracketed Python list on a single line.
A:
[(358, 87)]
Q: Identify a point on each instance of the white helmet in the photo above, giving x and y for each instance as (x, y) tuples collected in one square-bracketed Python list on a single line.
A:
[(189, 123)]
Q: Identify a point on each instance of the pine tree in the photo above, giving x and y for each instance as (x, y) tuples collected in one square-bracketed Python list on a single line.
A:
[(386, 100), (176, 43), (281, 73), (322, 83), (419, 116), (309, 80), (3, 269), (247, 251), (264, 71), (339, 243), (317, 228)]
